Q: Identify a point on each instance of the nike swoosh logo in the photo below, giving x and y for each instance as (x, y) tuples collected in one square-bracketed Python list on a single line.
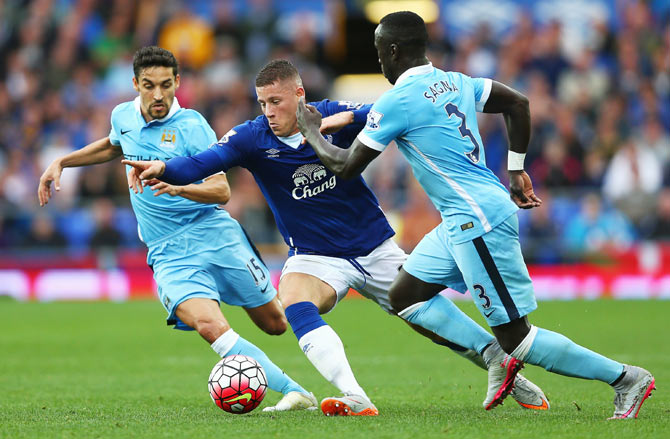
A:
[(544, 406), (489, 314), (237, 398), (124, 132)]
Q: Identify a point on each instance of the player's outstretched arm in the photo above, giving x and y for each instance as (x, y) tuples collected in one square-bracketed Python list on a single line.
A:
[(515, 110), (179, 170), (100, 151), (214, 190), (345, 163)]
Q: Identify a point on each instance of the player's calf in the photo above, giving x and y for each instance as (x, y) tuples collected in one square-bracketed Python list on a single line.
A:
[(270, 318)]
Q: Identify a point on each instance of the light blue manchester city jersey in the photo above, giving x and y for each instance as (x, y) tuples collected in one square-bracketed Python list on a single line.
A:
[(431, 114), (182, 132)]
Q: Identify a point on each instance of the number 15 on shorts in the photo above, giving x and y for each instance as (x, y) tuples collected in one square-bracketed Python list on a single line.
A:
[(256, 271)]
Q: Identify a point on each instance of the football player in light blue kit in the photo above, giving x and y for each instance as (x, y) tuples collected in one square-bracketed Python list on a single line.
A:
[(199, 254), (431, 115)]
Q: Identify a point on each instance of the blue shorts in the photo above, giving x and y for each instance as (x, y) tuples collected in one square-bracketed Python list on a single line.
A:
[(491, 267), (211, 258)]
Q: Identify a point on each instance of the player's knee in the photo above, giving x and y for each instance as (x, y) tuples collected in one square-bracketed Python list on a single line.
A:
[(210, 329)]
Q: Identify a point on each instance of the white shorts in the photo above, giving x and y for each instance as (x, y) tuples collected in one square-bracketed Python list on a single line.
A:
[(370, 275)]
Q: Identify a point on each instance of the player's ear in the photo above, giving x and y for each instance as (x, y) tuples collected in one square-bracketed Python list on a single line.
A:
[(300, 92), (136, 86), (394, 50), (176, 81)]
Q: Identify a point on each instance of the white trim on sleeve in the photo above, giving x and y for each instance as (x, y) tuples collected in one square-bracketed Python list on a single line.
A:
[(488, 83), (370, 143)]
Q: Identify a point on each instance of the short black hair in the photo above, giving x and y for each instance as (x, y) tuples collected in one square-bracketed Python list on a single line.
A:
[(154, 56), (277, 70), (407, 29)]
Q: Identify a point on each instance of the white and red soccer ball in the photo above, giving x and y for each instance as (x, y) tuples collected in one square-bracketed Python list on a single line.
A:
[(237, 384)]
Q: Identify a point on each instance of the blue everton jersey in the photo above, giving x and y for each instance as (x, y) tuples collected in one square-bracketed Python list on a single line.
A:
[(316, 211), (181, 132), (431, 114)]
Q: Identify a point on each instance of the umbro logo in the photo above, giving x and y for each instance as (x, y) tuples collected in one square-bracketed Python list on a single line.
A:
[(307, 347), (272, 152), (125, 131)]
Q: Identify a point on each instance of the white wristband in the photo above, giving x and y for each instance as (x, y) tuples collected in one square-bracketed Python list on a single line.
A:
[(515, 161)]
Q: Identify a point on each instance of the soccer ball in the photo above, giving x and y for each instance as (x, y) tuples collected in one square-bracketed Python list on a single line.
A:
[(237, 384)]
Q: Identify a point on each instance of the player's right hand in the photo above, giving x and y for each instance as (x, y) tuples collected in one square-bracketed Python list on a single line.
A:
[(521, 190), (51, 174), (147, 169), (308, 118)]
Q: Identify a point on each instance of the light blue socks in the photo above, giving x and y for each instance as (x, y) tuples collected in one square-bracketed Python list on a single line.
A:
[(230, 343), (441, 316), (557, 353)]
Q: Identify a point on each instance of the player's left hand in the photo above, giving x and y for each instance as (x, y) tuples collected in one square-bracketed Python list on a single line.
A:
[(309, 119), (160, 188), (521, 190)]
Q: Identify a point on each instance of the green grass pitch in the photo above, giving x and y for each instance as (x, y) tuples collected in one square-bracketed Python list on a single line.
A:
[(114, 370)]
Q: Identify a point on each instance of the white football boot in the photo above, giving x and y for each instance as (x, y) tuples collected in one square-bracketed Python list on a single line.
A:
[(529, 395), (503, 370), (631, 391), (294, 401)]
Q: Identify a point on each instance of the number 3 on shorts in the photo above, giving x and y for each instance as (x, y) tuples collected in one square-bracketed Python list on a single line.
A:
[(481, 293)]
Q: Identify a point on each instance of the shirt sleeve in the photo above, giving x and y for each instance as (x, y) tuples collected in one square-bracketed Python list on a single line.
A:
[(361, 115), (228, 152), (113, 135), (482, 88), (201, 137), (328, 107), (386, 120)]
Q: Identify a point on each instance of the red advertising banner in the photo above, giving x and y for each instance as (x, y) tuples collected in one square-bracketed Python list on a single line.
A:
[(640, 274)]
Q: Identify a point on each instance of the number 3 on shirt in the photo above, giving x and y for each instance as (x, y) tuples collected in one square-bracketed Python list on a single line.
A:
[(451, 110)]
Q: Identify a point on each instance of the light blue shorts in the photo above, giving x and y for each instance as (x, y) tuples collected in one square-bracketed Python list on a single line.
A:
[(210, 258), (491, 267)]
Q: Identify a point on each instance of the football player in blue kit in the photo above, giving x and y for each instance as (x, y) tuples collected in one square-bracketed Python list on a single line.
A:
[(199, 254), (338, 236), (431, 115)]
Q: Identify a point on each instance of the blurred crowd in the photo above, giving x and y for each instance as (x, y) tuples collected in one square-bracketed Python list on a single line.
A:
[(599, 154)]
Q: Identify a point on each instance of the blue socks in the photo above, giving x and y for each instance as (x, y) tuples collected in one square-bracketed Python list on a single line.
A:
[(303, 318), (557, 353), (441, 316)]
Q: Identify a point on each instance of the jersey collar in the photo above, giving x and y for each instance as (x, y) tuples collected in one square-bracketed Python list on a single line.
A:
[(418, 70), (293, 141), (173, 109)]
